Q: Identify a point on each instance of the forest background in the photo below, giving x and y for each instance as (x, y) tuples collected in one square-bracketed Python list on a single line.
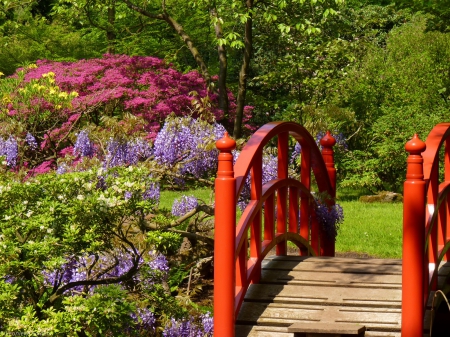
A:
[(374, 71), (101, 238)]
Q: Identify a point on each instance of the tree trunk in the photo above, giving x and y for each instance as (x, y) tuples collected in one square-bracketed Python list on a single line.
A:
[(243, 74), (110, 33), (222, 52)]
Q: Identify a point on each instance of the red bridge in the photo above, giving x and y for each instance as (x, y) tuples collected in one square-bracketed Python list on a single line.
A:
[(314, 293)]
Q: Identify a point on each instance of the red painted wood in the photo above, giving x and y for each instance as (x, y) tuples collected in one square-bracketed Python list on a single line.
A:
[(327, 143), (413, 241), (224, 241), (255, 228), (284, 192), (305, 202)]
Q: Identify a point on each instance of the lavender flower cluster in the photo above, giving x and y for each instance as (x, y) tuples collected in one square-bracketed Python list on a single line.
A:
[(329, 217), (83, 145), (187, 328), (183, 205), (106, 266), (10, 150), (126, 152), (31, 141), (184, 142)]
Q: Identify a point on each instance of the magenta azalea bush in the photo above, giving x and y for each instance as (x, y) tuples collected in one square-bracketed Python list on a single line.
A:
[(45, 106)]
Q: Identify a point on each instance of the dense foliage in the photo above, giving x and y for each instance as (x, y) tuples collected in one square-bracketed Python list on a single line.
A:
[(88, 142)]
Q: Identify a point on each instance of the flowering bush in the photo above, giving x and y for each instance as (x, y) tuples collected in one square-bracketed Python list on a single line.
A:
[(51, 105), (330, 216)]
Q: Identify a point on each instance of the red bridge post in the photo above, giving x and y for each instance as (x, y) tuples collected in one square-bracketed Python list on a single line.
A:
[(327, 142), (413, 241), (224, 241)]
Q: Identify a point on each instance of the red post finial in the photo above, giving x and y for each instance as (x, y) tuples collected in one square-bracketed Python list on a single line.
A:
[(328, 140), (225, 145), (414, 169)]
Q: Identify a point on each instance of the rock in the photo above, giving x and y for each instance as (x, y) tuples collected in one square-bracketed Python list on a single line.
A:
[(383, 196)]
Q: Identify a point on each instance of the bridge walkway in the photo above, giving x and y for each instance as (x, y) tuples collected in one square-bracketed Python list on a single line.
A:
[(326, 291)]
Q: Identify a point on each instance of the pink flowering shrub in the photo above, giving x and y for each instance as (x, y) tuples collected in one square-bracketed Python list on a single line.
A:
[(53, 101)]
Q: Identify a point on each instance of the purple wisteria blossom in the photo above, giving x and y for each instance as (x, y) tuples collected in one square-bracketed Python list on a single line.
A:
[(10, 150), (187, 144), (114, 264), (62, 168), (188, 328), (329, 217), (184, 205), (145, 319), (116, 153), (31, 141), (152, 193), (83, 145), (121, 152)]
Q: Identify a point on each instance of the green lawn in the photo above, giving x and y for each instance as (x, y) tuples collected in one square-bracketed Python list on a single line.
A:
[(372, 228), (167, 197)]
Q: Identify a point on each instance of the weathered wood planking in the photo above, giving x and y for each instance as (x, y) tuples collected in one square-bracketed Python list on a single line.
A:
[(324, 289), (321, 289)]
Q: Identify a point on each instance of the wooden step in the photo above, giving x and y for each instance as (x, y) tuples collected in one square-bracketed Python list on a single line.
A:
[(327, 330)]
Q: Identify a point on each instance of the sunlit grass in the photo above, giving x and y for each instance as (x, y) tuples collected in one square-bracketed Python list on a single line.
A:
[(372, 228), (167, 197)]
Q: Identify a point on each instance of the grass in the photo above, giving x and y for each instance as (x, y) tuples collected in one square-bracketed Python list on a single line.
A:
[(167, 197), (372, 228)]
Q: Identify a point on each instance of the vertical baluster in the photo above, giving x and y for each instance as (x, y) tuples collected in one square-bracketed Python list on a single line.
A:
[(269, 218), (446, 227), (282, 192), (224, 241), (255, 228), (327, 142), (413, 241), (305, 202), (293, 210), (433, 246)]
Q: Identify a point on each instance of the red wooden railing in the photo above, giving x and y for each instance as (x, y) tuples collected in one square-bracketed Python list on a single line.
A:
[(426, 233), (279, 211)]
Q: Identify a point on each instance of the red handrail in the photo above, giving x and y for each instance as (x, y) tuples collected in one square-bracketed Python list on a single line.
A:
[(426, 233), (237, 257)]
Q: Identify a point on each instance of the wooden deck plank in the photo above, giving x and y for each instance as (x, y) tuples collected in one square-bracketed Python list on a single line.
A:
[(389, 298), (331, 267), (336, 260), (331, 279), (264, 331), (280, 315)]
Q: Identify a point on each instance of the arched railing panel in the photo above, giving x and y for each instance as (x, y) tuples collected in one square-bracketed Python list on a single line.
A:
[(280, 211)]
